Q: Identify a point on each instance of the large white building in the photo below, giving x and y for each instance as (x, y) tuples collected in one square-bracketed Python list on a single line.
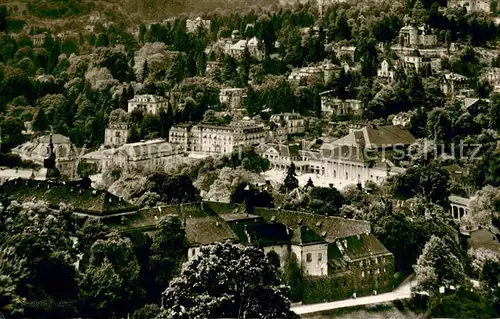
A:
[(149, 104), (213, 139), (37, 151), (367, 154), (145, 155), (116, 134)]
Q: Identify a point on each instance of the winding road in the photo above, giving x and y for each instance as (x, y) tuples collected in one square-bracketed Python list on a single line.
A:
[(403, 291)]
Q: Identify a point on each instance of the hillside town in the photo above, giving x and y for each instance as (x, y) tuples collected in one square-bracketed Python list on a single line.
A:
[(243, 164)]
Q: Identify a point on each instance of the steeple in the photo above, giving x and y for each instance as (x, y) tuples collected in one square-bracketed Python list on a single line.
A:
[(50, 171)]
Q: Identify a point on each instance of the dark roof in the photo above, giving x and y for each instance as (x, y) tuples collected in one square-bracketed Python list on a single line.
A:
[(332, 227), (268, 234), (81, 199), (336, 260), (377, 136), (285, 150), (361, 246), (303, 235), (202, 225)]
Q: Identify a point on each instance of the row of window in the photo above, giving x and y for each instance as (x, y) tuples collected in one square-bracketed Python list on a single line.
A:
[(376, 272), (309, 257)]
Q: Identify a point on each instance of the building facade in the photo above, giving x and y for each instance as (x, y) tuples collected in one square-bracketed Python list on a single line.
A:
[(38, 150), (213, 139), (232, 97), (413, 37), (349, 109), (116, 134), (149, 104), (293, 122), (146, 155), (471, 5), (453, 83), (417, 62), (386, 71)]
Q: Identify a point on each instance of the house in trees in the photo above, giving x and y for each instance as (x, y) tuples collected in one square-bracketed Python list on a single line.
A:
[(213, 139), (471, 5), (349, 109), (301, 76), (147, 103), (144, 155), (413, 37), (294, 123), (212, 67), (452, 83), (192, 26), (386, 71), (38, 39), (116, 134), (492, 75), (459, 207), (39, 149), (233, 98), (416, 61), (254, 46)]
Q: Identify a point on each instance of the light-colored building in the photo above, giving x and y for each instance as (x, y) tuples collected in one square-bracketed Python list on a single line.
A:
[(417, 61), (254, 46), (414, 37), (471, 5), (453, 83), (332, 106), (459, 207), (38, 39), (280, 156), (492, 76), (149, 104), (232, 97), (386, 70), (293, 122), (38, 150), (192, 26), (144, 155), (116, 134), (302, 75), (402, 119), (213, 139), (324, 72)]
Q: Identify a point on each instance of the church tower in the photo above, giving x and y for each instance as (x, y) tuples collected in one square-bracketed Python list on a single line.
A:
[(49, 170)]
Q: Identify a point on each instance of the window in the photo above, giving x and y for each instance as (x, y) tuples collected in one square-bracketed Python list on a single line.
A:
[(363, 274), (320, 257), (309, 257)]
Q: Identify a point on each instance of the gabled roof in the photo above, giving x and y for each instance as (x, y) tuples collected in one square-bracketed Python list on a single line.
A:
[(469, 101), (332, 227), (379, 136), (362, 246), (303, 235), (262, 235), (202, 225)]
